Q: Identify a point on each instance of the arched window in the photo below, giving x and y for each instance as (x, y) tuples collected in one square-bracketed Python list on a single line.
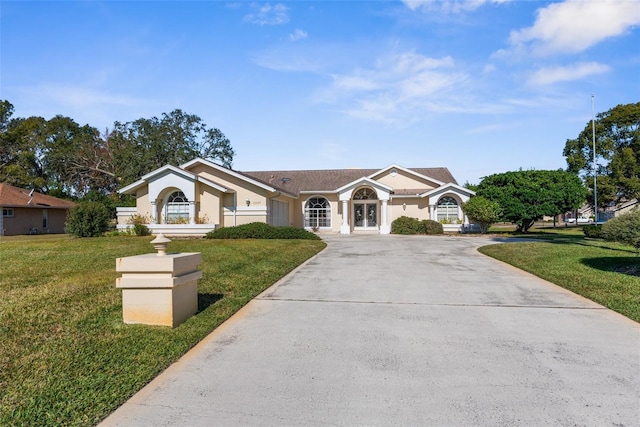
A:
[(177, 208), (365, 194), (447, 209), (317, 213)]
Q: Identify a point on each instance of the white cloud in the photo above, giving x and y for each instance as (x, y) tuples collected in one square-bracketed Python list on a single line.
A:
[(75, 96), (298, 34), (268, 14), (397, 88), (575, 25), (551, 75), (449, 6)]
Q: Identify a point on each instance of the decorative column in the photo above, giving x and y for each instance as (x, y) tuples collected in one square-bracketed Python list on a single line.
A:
[(344, 229), (192, 212), (432, 212), (384, 228), (154, 212)]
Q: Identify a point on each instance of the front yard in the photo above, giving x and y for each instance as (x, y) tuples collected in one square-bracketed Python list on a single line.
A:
[(66, 357), (605, 272)]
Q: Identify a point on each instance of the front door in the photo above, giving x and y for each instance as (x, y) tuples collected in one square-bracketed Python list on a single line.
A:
[(365, 215)]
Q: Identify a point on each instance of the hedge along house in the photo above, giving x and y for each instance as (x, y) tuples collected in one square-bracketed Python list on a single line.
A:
[(27, 212), (200, 195)]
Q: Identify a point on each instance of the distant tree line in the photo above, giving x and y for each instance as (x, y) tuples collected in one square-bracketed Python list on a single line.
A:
[(62, 158)]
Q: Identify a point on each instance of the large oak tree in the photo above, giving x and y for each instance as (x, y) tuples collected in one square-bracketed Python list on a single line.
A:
[(617, 140), (60, 156)]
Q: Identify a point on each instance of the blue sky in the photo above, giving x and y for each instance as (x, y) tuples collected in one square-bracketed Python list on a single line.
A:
[(478, 86)]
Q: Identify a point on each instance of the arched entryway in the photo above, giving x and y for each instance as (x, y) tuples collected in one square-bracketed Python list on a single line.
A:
[(365, 209)]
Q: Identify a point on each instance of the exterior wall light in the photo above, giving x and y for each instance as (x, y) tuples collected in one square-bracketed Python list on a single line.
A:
[(404, 206), (248, 202)]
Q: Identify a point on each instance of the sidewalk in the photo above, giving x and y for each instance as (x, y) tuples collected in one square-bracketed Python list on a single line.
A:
[(404, 330)]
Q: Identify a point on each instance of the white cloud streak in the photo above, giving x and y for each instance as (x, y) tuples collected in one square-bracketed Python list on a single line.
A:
[(298, 34), (268, 14), (550, 75), (575, 25), (449, 6)]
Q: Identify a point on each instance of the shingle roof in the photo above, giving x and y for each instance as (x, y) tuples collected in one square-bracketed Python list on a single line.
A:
[(15, 197), (328, 180)]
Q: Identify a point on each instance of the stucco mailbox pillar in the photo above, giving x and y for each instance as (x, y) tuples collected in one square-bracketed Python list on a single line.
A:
[(159, 289)]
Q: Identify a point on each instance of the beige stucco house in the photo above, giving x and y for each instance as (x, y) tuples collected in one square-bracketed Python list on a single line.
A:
[(28, 212), (200, 195)]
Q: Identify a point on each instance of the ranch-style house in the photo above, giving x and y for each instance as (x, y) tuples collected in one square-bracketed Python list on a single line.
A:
[(200, 196)]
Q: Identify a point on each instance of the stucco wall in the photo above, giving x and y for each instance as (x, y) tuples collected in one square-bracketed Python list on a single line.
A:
[(403, 180), (143, 204), (257, 196), (208, 204), (416, 208)]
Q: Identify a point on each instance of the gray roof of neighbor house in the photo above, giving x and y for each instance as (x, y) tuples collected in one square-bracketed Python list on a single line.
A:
[(14, 197), (328, 180)]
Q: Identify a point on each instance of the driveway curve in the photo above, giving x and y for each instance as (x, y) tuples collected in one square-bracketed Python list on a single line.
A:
[(404, 330)]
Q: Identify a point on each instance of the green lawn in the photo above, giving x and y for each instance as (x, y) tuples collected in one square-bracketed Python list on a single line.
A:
[(604, 272), (66, 358)]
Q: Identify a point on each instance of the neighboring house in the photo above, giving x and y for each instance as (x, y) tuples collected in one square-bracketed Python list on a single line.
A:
[(27, 212), (200, 195), (585, 213), (619, 209)]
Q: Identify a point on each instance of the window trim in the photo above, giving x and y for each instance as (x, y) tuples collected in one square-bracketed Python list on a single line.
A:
[(181, 213), (318, 221), (448, 208)]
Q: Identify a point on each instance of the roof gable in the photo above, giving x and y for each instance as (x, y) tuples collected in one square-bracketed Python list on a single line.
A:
[(239, 175), (166, 170)]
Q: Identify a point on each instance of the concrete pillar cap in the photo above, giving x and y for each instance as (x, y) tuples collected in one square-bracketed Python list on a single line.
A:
[(160, 244)]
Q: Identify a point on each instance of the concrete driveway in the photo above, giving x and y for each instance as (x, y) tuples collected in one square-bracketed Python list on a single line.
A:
[(404, 330)]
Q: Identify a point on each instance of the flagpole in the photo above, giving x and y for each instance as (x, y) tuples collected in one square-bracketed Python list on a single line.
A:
[(595, 170)]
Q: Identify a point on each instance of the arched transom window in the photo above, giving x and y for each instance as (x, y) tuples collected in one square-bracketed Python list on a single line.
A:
[(177, 208), (365, 194), (317, 213), (447, 209)]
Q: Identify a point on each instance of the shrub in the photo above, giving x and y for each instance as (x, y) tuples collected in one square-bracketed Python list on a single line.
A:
[(88, 219), (141, 230), (260, 230), (406, 225), (482, 211), (593, 230), (139, 219), (624, 229), (431, 227)]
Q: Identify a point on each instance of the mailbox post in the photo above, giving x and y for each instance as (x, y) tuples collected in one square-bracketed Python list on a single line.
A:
[(159, 289)]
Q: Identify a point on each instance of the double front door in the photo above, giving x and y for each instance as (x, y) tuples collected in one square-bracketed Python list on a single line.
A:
[(365, 215)]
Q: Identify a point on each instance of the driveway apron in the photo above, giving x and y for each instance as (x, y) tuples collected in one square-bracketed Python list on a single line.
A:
[(404, 330)]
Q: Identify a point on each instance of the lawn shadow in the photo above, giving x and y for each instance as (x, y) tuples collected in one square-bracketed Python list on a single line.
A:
[(574, 240), (629, 266), (205, 300)]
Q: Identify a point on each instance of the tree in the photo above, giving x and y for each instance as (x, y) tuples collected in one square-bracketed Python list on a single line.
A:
[(143, 145), (60, 156), (527, 196), (482, 211), (618, 147)]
